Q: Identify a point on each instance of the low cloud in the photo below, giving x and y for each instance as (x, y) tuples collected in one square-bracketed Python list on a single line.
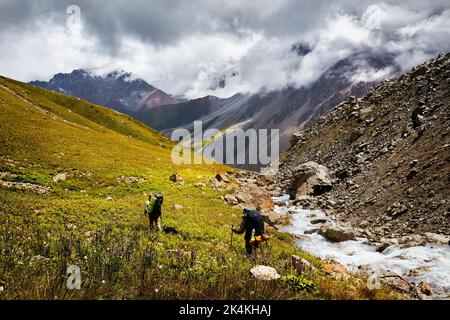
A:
[(190, 47)]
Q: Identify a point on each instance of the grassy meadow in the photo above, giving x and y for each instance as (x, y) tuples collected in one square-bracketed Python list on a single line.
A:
[(93, 217)]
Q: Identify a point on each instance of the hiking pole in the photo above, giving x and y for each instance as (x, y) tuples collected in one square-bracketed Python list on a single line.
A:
[(231, 242)]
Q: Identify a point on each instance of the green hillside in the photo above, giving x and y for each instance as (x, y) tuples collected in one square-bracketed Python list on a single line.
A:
[(73, 181)]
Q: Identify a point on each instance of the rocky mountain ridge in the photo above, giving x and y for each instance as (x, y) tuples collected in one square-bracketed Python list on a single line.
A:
[(387, 153), (288, 109), (118, 90)]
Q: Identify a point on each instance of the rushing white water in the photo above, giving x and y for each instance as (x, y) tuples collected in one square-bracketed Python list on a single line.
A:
[(435, 259)]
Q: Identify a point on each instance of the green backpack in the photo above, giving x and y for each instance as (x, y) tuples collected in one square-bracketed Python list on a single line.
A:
[(150, 205)]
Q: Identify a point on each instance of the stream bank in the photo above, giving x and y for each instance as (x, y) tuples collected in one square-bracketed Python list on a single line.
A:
[(423, 266)]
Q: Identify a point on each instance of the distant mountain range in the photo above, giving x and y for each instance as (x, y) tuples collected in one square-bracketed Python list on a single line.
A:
[(289, 109), (118, 90)]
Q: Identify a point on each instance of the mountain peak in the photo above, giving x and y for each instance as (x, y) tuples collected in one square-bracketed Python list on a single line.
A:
[(118, 89)]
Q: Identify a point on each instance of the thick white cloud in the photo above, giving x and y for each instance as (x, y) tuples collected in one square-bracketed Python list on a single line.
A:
[(189, 47)]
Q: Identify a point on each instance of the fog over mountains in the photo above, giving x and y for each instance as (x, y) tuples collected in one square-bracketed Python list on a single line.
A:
[(219, 48)]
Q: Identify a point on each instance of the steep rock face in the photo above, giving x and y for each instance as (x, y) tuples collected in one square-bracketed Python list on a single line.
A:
[(388, 153)]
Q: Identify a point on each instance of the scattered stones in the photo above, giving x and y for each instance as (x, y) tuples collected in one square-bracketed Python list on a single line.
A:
[(25, 186), (305, 202), (131, 179)]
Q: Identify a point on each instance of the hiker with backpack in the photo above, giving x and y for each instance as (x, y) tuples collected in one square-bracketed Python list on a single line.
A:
[(153, 207), (251, 221)]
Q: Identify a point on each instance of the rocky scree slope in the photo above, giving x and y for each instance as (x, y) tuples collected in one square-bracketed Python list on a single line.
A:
[(388, 155)]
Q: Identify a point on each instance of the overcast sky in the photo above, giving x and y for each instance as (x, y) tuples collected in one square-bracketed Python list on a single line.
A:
[(186, 46)]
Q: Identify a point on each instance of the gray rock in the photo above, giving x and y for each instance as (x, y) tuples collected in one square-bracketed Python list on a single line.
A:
[(311, 231), (411, 241), (337, 233), (310, 178), (231, 199), (319, 220), (436, 238), (264, 273)]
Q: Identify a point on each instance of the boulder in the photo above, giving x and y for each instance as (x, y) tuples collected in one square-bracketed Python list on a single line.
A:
[(382, 246), (417, 271), (385, 243), (319, 220), (175, 177), (425, 288), (310, 178), (60, 177), (336, 270), (254, 197), (231, 199), (337, 233), (411, 241), (272, 218), (264, 180), (436, 238), (222, 177), (395, 280), (305, 201), (243, 197), (311, 231), (264, 273)]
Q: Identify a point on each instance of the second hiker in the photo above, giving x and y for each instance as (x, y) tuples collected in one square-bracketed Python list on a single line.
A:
[(153, 207), (251, 221)]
